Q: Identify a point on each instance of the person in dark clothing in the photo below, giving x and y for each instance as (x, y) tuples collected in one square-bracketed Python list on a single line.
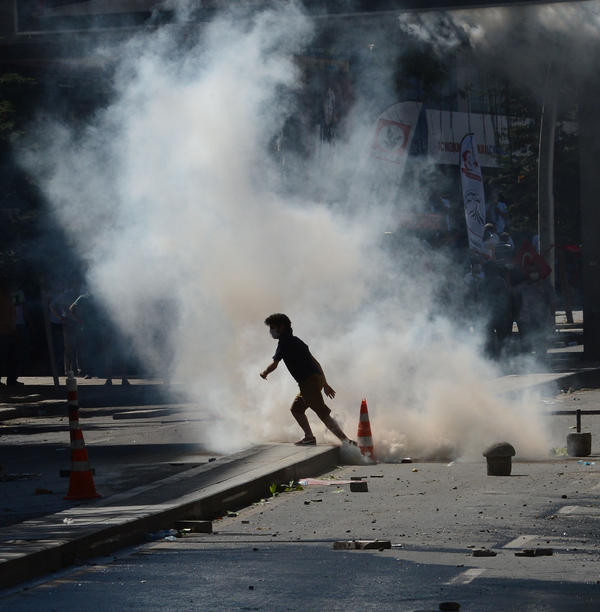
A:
[(8, 337), (309, 375), (496, 303)]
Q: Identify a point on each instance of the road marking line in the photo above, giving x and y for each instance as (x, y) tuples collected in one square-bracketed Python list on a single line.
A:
[(520, 541), (467, 576)]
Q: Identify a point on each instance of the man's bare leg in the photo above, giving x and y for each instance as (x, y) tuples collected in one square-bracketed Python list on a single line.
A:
[(334, 428), (298, 410)]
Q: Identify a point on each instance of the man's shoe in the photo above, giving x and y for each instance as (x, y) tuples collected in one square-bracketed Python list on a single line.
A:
[(306, 442)]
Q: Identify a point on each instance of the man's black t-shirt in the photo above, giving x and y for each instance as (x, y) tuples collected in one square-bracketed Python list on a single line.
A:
[(296, 356)]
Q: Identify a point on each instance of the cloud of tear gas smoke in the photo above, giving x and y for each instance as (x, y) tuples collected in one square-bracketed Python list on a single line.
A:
[(523, 44), (178, 210)]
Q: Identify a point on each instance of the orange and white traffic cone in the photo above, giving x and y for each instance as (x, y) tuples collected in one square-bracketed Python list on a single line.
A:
[(364, 438), (81, 482)]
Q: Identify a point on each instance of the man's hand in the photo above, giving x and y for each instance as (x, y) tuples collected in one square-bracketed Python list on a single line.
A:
[(269, 369), (329, 391)]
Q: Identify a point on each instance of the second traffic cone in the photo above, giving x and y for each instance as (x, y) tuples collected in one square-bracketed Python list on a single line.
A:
[(81, 482), (364, 438)]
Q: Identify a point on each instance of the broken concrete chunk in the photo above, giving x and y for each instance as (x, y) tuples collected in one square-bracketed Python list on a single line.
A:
[(373, 544), (483, 552), (535, 552), (344, 545), (362, 545), (360, 486)]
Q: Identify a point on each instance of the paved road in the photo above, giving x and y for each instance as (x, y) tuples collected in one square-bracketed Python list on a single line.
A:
[(278, 554)]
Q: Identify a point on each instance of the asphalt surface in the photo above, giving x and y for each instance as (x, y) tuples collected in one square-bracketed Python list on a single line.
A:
[(278, 553)]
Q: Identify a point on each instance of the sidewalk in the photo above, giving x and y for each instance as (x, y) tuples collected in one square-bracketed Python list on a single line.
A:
[(48, 543), (39, 396)]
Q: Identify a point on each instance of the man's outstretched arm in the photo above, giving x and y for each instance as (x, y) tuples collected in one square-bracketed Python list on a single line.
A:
[(269, 369), (329, 391)]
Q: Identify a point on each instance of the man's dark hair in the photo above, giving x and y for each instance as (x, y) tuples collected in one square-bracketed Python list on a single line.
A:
[(277, 319)]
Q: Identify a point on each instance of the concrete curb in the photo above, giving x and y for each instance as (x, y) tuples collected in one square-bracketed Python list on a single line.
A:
[(100, 529)]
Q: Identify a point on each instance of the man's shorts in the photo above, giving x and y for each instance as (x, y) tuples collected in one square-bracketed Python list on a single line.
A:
[(310, 396)]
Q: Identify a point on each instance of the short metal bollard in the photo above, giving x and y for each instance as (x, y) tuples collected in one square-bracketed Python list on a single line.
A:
[(499, 462), (578, 444)]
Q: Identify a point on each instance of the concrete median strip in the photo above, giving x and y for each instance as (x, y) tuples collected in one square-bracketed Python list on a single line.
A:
[(49, 543)]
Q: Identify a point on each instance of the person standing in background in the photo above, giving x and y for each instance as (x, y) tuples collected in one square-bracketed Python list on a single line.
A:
[(8, 336), (22, 327)]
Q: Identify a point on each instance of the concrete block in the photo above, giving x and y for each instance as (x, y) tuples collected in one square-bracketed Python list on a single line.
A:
[(579, 444), (483, 552), (359, 486), (373, 544), (535, 552), (344, 545), (362, 545)]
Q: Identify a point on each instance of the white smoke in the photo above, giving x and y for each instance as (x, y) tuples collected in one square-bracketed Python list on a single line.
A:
[(177, 208)]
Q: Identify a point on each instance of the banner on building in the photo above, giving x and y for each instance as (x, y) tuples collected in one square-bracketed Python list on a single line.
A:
[(378, 177), (445, 128), (394, 132), (473, 194)]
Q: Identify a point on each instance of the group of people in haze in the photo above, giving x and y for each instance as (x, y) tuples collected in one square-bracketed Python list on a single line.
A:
[(500, 290)]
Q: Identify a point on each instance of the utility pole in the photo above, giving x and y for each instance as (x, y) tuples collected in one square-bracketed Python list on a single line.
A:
[(546, 173)]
